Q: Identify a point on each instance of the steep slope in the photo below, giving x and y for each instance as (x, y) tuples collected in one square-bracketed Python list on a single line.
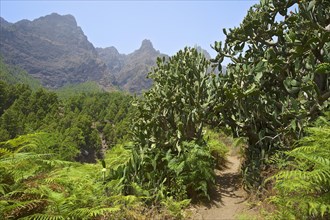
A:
[(15, 75), (53, 49), (131, 70)]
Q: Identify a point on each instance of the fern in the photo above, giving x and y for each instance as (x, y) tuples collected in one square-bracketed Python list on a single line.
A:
[(118, 156), (217, 146), (37, 186), (23, 208), (93, 212), (44, 217), (43, 188), (3, 188), (176, 208), (4, 152), (303, 189), (21, 165), (30, 141)]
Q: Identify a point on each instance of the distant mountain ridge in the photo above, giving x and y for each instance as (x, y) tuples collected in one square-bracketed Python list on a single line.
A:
[(131, 70), (55, 50)]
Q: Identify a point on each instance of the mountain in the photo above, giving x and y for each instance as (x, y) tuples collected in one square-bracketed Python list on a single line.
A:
[(112, 58), (131, 70), (54, 50)]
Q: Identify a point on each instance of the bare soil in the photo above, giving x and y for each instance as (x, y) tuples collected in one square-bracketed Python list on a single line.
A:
[(228, 199)]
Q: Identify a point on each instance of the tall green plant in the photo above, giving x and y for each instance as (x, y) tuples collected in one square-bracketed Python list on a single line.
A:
[(277, 81), (168, 128), (176, 107)]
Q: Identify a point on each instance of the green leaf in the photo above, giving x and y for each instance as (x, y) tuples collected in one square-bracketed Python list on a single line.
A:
[(260, 67), (250, 90), (294, 82), (179, 168), (258, 76), (224, 31), (323, 68), (293, 124), (311, 5)]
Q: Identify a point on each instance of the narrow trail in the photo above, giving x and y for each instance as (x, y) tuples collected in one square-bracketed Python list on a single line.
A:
[(228, 199)]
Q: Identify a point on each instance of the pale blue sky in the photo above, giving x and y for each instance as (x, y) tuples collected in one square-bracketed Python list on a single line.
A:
[(170, 25)]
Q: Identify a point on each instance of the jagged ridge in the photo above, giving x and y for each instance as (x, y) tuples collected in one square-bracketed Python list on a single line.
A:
[(54, 50)]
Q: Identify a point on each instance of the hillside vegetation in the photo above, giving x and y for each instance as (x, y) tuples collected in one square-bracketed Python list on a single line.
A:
[(15, 75), (71, 90)]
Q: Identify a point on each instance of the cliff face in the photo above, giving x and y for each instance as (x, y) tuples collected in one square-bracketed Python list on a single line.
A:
[(54, 50)]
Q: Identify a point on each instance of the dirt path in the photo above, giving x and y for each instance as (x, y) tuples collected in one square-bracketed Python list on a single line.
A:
[(228, 200)]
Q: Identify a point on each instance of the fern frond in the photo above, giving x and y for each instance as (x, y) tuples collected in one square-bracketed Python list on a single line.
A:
[(88, 213), (44, 217), (129, 200), (5, 152), (56, 163), (4, 188), (116, 186), (21, 208), (317, 207), (304, 188), (22, 165), (25, 141), (117, 156)]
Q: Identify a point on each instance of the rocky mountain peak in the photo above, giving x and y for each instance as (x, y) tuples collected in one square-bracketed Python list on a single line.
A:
[(55, 19), (146, 44), (131, 69), (3, 22), (110, 50), (147, 47), (53, 49)]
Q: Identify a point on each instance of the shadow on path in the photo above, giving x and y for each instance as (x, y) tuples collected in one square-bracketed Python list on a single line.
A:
[(228, 183), (227, 197)]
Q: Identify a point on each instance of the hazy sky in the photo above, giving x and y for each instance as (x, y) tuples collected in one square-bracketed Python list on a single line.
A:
[(170, 25)]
